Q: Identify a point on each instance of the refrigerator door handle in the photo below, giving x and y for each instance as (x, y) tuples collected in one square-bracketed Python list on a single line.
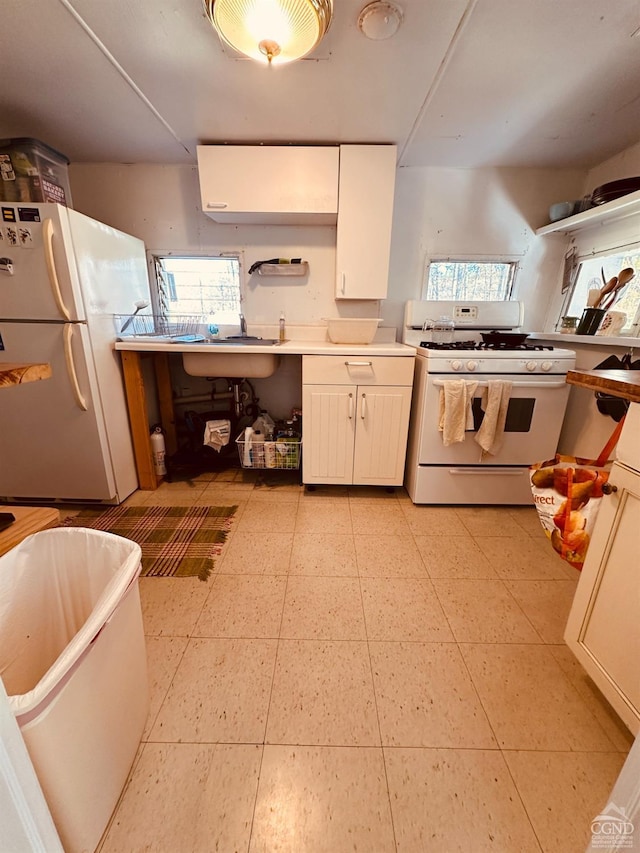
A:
[(47, 233), (71, 368)]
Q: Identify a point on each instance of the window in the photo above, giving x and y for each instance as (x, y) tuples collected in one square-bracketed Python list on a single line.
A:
[(590, 275), (469, 280), (198, 287)]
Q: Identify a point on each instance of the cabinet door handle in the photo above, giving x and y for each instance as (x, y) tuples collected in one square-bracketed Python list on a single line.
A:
[(343, 286), (363, 406), (358, 363), (608, 488), (350, 406), (217, 205)]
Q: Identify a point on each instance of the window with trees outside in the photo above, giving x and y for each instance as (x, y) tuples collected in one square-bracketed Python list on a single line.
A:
[(593, 271), (199, 287), (469, 280)]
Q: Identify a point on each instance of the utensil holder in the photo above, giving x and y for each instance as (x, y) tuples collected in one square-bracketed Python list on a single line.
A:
[(590, 321)]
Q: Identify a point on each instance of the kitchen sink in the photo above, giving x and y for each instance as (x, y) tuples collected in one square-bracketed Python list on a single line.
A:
[(234, 365), (244, 340)]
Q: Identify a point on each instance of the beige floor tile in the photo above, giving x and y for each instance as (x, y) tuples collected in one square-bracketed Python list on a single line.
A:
[(163, 656), (173, 497), (522, 558), (317, 516), (262, 552), (180, 487), (271, 517), (374, 517), (529, 700), (220, 693), (388, 556), (212, 496), (425, 697), (546, 604), (188, 797), (372, 493), (323, 608), (489, 521), (563, 792), (432, 520), (529, 520), (456, 801), (403, 609), (267, 494), (171, 606), (453, 557), (322, 800), (138, 498), (323, 694), (326, 493), (331, 554), (483, 611), (247, 606), (616, 730)]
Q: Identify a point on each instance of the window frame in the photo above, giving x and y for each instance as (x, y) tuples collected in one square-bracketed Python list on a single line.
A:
[(512, 260), (632, 329), (154, 285)]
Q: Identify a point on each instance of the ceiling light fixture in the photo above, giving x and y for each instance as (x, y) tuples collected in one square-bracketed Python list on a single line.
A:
[(271, 31), (380, 20)]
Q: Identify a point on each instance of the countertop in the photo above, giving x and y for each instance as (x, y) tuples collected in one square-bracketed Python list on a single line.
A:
[(18, 374), (293, 347), (618, 383)]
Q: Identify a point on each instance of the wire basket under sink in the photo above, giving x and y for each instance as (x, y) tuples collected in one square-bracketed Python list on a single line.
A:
[(153, 325)]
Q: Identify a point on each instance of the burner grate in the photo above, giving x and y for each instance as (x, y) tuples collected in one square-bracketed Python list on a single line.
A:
[(479, 346)]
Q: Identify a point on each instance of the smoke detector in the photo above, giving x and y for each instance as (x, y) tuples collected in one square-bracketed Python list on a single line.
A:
[(380, 20)]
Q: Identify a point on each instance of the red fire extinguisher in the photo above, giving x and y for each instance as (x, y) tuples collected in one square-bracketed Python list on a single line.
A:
[(158, 451)]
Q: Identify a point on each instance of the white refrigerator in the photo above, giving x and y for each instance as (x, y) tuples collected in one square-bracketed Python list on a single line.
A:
[(63, 276)]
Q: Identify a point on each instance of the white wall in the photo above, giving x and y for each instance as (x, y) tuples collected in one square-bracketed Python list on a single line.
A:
[(450, 212)]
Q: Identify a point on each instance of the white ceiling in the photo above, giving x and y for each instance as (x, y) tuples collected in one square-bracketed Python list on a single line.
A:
[(463, 82)]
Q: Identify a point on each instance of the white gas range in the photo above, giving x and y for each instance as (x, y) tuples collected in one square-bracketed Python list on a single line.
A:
[(460, 473)]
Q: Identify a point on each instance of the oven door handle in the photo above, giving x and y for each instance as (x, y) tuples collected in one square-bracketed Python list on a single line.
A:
[(511, 472), (545, 385)]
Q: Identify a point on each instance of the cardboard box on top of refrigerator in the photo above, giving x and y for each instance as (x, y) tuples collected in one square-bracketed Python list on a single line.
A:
[(31, 171)]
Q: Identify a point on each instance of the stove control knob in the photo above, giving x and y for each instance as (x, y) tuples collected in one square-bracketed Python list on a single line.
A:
[(456, 365), (531, 365), (546, 365), (471, 365)]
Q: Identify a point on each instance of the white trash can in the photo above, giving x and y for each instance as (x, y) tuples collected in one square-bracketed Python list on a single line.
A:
[(73, 662)]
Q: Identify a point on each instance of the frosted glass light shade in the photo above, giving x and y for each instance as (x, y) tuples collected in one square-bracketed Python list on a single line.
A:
[(271, 31)]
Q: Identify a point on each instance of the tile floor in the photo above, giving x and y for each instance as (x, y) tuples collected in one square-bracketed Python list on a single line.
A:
[(361, 674)]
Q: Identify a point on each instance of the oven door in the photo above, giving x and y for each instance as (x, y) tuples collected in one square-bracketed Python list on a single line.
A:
[(534, 420)]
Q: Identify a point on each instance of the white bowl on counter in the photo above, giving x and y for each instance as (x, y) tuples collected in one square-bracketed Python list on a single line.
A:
[(352, 330)]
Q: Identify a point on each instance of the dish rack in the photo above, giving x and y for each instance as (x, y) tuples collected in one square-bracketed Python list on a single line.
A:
[(282, 454), (156, 325)]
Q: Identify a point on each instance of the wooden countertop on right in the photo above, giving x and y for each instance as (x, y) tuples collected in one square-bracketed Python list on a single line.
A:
[(618, 383)]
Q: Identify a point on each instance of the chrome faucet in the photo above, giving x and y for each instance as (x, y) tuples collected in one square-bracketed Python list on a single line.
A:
[(243, 326)]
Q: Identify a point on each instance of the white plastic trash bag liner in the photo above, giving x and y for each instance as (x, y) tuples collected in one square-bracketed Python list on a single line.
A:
[(73, 661)]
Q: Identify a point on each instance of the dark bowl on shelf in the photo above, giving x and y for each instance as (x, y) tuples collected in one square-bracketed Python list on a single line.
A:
[(615, 189)]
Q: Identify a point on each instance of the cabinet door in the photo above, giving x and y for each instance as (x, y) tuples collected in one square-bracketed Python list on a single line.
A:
[(603, 630), (382, 424), (365, 212), (269, 184), (328, 429)]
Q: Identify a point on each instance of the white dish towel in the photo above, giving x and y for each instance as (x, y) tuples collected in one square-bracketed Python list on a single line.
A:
[(494, 403), (455, 415)]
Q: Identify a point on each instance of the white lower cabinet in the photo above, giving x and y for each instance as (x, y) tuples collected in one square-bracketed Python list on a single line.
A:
[(355, 419), (603, 630)]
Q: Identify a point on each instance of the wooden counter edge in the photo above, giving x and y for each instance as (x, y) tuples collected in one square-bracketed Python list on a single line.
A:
[(608, 382)]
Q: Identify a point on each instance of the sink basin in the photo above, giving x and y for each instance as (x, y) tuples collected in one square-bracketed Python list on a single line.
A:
[(244, 341), (234, 365)]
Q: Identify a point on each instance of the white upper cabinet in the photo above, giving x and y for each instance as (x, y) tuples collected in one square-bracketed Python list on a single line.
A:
[(365, 213), (269, 184)]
